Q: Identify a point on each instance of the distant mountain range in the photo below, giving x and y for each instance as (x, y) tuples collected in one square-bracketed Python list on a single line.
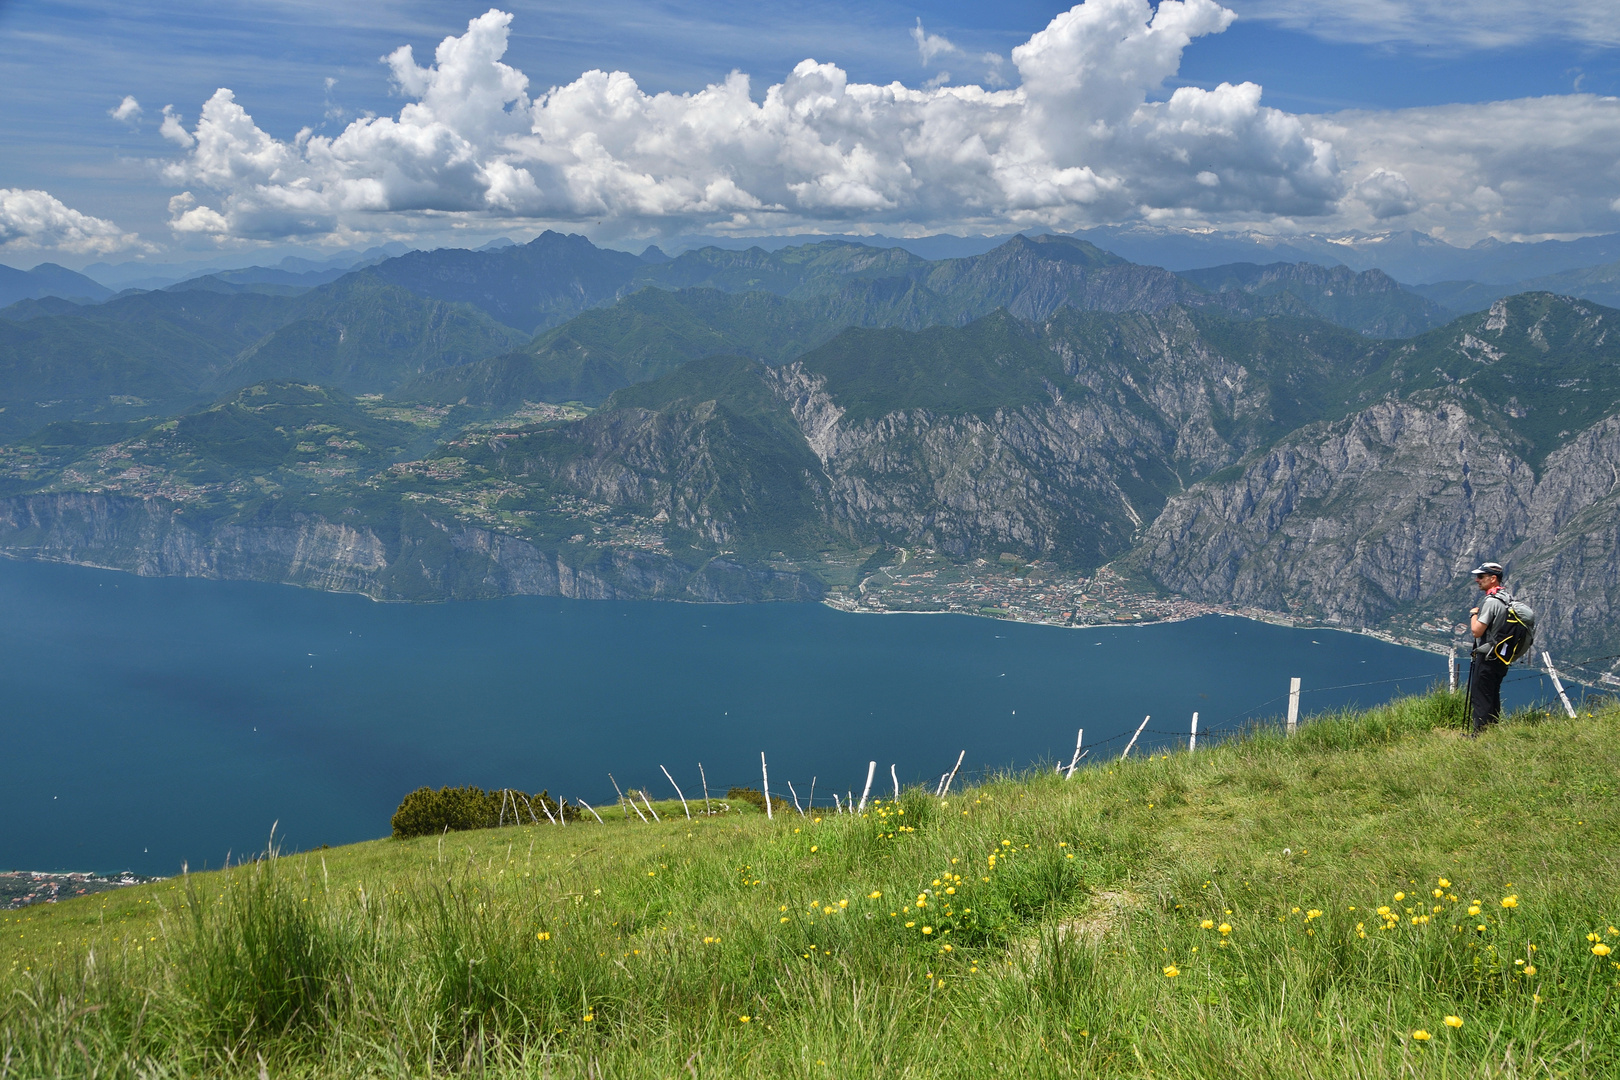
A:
[(1503, 268), (1407, 256), (48, 279), (555, 417)]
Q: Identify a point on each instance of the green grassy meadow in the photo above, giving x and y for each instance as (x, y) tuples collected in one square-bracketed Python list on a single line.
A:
[(1268, 907)]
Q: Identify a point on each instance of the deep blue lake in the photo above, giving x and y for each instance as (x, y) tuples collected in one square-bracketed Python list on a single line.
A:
[(148, 722)]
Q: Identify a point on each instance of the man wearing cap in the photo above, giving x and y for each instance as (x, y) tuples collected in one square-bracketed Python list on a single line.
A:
[(1486, 667)]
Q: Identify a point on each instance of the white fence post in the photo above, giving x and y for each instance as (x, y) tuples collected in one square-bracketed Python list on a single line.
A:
[(1451, 670), (896, 778), (765, 782), (1192, 740), (946, 790), (1558, 685), (678, 794), (1078, 739), (621, 801), (1138, 734), (1293, 705), (871, 771)]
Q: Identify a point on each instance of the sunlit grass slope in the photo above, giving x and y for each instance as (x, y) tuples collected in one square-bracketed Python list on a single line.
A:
[(1375, 897)]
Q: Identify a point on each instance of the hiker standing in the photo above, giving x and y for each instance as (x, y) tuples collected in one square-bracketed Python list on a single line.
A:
[(1486, 666)]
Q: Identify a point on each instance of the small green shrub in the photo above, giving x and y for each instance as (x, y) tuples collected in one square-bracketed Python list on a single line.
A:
[(753, 797), (425, 812)]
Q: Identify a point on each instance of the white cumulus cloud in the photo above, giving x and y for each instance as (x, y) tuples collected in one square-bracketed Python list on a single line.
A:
[(127, 111), (1386, 193), (931, 45), (32, 220), (174, 128), (1528, 167), (1079, 140)]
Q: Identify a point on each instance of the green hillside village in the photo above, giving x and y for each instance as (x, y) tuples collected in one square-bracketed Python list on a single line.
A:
[(1375, 895)]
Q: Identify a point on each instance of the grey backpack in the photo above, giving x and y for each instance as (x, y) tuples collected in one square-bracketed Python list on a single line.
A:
[(1517, 634)]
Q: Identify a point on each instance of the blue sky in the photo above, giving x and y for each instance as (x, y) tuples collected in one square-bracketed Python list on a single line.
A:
[(295, 63)]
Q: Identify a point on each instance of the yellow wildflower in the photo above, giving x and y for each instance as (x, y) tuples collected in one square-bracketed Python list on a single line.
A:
[(1171, 971), (1420, 1035), (1453, 1021), (1510, 901), (928, 929), (1444, 884), (1226, 928), (1600, 949), (1207, 924), (544, 935), (744, 1019)]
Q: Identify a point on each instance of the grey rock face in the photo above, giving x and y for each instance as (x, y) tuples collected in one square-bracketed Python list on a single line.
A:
[(430, 560), (1383, 514)]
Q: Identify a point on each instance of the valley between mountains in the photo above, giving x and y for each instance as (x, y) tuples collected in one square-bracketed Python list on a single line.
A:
[(833, 422)]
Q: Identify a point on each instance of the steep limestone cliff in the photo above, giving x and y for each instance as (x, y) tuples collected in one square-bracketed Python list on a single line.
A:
[(427, 559)]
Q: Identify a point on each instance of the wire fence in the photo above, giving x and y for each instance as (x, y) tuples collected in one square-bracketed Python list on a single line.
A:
[(1234, 725)]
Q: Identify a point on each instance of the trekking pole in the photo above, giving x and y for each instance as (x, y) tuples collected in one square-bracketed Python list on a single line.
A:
[(1468, 698)]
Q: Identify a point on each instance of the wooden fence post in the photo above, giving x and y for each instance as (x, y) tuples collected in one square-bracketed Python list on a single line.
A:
[(1138, 734), (1293, 705), (1192, 740), (947, 789), (765, 781), (795, 795), (896, 778), (594, 814), (871, 771), (1078, 739), (616, 790), (701, 776), (678, 794), (1558, 685), (1451, 670)]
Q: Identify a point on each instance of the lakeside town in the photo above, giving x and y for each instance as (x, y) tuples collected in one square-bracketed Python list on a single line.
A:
[(24, 888), (922, 580)]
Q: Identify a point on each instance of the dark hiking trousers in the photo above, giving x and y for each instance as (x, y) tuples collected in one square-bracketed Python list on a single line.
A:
[(1485, 691)]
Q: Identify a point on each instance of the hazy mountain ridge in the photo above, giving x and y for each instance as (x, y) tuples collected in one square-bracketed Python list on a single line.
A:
[(48, 279), (157, 353), (720, 301)]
